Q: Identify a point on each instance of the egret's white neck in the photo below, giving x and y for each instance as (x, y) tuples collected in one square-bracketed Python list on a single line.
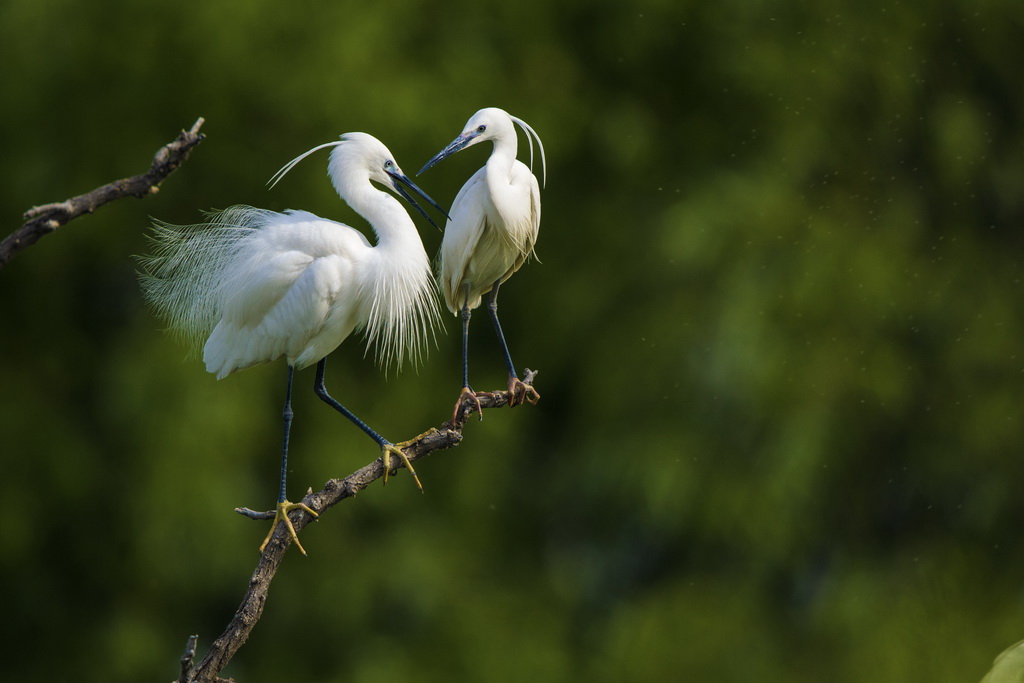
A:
[(503, 155), (499, 174), (392, 224), (398, 273)]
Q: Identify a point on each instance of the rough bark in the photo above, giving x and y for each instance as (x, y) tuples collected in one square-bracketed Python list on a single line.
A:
[(45, 219)]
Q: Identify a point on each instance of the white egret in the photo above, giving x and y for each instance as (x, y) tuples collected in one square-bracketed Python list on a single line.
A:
[(491, 231), (260, 285)]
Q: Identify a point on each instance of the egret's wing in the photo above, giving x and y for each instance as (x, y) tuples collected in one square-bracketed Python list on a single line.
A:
[(288, 294), (524, 228), (462, 234), (481, 245), (1008, 667), (303, 320)]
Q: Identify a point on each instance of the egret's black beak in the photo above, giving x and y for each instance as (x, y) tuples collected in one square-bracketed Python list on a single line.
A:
[(453, 147), (400, 179)]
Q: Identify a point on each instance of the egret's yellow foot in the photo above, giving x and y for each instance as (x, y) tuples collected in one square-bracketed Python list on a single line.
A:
[(396, 448), (283, 508), (470, 395), (519, 392)]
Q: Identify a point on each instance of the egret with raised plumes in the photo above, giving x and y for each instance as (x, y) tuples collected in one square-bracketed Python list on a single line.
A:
[(491, 231), (259, 285)]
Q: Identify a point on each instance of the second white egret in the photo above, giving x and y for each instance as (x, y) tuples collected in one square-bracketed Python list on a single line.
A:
[(260, 285), (491, 231)]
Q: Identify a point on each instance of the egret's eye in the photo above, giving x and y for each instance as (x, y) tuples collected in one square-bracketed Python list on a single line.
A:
[(388, 163), (481, 128)]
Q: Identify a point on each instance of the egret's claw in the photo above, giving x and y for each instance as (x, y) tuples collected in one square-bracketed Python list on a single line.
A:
[(466, 395), (519, 392), (388, 448), (283, 508)]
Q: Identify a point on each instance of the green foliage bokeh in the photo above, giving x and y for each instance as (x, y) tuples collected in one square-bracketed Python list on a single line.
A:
[(777, 318)]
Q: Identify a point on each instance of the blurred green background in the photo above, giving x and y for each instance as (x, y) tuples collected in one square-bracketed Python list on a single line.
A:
[(778, 322)]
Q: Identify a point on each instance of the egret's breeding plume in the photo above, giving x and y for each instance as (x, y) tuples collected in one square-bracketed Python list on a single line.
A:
[(259, 285), (491, 231)]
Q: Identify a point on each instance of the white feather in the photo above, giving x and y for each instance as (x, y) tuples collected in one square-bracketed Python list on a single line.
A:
[(495, 218), (259, 285)]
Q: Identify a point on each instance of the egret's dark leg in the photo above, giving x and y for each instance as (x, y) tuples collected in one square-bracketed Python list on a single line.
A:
[(283, 505), (518, 391), (466, 315), (386, 446), (287, 414), (467, 393), (492, 308)]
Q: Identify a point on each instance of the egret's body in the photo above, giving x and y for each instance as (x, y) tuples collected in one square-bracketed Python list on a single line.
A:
[(491, 232), (260, 285)]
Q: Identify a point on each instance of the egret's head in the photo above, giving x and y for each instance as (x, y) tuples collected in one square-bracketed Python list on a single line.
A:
[(494, 124), (359, 156), (487, 124)]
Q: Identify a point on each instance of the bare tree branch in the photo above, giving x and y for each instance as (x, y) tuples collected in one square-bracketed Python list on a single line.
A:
[(334, 491), (42, 220), (187, 659)]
